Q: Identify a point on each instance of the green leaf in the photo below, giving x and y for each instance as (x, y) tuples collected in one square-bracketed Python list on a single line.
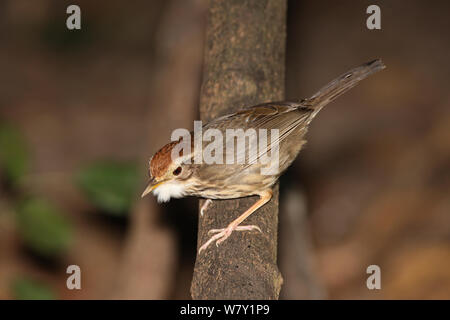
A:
[(43, 228), (13, 153), (27, 289), (110, 186)]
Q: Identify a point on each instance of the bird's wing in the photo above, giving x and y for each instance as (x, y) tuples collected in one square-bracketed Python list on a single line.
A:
[(286, 117)]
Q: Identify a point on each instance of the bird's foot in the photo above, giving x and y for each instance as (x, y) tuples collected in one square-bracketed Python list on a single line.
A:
[(205, 206), (223, 234)]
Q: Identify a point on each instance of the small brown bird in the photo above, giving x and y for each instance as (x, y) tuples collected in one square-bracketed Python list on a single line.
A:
[(175, 175)]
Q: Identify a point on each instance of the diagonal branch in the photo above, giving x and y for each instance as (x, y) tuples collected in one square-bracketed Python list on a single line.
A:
[(243, 66)]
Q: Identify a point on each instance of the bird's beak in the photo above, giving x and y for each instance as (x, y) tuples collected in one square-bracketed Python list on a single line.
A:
[(152, 185)]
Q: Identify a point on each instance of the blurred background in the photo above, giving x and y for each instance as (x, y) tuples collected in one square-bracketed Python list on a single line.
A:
[(82, 111)]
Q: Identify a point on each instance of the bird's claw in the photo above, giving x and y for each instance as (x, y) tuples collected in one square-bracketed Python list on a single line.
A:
[(205, 206), (238, 228), (222, 234)]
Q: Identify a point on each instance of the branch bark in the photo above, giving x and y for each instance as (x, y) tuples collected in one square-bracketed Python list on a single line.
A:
[(243, 65)]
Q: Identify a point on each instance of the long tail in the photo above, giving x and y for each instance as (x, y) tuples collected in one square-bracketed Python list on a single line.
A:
[(342, 84)]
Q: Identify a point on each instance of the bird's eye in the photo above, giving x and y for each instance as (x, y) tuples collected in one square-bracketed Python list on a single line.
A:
[(177, 171)]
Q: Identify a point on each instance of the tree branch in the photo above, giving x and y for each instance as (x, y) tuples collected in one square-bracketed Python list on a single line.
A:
[(243, 66)]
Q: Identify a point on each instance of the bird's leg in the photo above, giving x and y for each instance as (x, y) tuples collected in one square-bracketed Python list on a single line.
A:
[(205, 206), (223, 234)]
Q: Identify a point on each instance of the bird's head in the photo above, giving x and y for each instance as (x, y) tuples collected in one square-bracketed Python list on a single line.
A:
[(169, 172)]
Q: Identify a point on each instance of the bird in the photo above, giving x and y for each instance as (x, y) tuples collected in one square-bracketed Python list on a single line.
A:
[(178, 174)]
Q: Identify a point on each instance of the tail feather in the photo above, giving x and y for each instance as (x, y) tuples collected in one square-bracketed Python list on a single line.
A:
[(342, 84)]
